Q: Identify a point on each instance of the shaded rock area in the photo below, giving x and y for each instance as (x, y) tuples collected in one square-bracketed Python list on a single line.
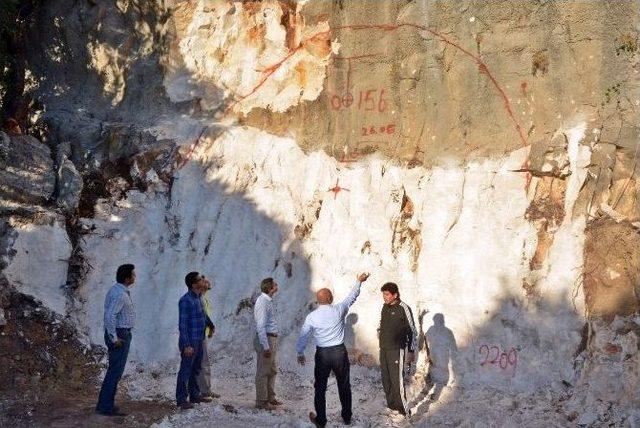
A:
[(69, 180), (481, 154), (41, 358), (49, 372), (26, 170), (612, 269)]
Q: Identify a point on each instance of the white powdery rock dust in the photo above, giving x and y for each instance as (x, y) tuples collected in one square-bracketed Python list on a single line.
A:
[(246, 51), (251, 205)]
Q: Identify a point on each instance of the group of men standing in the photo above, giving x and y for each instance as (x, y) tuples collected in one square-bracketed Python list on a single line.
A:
[(326, 324), (195, 325)]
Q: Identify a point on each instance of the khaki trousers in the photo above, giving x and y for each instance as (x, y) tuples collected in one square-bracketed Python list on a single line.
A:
[(204, 376), (266, 371)]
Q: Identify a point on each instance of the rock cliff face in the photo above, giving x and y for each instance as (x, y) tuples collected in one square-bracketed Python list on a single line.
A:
[(483, 155)]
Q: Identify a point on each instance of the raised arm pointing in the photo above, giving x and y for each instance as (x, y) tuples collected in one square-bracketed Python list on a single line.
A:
[(353, 295)]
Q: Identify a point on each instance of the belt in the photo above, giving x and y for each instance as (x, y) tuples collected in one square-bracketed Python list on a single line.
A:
[(331, 347), (123, 328), (272, 335)]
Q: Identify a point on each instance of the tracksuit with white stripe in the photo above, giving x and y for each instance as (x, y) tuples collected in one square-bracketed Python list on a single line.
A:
[(397, 334)]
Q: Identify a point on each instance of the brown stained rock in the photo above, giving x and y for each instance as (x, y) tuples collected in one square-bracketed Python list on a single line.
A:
[(540, 63), (404, 235), (611, 268), (182, 15), (623, 191), (441, 102), (290, 19), (596, 189), (37, 345), (612, 349), (545, 240), (546, 211), (548, 201)]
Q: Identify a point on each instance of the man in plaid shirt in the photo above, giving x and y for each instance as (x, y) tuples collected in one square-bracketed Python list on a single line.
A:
[(192, 323)]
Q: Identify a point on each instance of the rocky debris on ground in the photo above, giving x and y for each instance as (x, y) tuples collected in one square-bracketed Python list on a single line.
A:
[(41, 357)]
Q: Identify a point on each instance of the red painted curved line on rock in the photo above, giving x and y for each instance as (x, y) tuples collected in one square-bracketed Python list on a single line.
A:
[(193, 148), (483, 68), (267, 72)]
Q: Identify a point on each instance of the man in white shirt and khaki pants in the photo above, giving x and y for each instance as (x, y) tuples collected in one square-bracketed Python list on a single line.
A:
[(266, 345), (326, 324)]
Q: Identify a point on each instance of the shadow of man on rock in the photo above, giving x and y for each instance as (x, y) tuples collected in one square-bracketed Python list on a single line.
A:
[(441, 347)]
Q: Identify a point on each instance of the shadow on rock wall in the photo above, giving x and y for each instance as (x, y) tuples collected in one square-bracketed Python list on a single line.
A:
[(520, 348), (201, 222)]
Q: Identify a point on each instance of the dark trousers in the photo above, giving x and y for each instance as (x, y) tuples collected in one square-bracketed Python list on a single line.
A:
[(391, 368), (332, 359), (117, 361), (187, 386)]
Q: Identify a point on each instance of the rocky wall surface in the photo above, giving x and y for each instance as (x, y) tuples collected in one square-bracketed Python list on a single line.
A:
[(483, 155)]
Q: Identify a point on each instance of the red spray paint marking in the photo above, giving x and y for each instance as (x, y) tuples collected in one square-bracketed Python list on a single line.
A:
[(502, 359), (337, 189), (187, 157), (349, 59), (482, 67), (267, 72)]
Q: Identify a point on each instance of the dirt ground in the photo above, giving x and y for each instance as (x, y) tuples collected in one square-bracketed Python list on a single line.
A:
[(51, 379), (77, 410)]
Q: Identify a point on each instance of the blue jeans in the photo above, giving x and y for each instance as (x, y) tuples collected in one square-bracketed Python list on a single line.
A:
[(188, 374), (117, 361)]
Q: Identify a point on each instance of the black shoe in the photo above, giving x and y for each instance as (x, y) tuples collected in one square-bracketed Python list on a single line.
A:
[(202, 399), (347, 421), (185, 406), (114, 412), (312, 418)]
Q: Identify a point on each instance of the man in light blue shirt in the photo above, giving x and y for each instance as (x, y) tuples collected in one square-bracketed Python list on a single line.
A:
[(265, 344), (326, 324), (119, 317)]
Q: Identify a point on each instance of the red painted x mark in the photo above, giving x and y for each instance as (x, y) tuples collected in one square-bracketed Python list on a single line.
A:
[(336, 189)]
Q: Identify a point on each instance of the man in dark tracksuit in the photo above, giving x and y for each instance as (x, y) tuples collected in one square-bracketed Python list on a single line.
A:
[(397, 333)]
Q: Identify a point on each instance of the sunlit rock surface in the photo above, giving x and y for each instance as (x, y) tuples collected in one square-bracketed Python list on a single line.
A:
[(481, 155)]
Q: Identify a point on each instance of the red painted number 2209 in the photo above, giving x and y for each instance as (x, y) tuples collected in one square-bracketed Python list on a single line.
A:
[(493, 355)]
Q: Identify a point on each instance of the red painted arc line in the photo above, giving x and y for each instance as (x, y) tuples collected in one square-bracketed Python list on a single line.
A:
[(273, 68), (484, 69), (192, 149)]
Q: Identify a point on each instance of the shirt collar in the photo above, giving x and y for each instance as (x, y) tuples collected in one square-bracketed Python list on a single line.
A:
[(123, 287), (267, 296), (194, 294)]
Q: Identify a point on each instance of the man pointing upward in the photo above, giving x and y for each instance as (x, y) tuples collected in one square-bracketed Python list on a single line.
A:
[(326, 324)]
